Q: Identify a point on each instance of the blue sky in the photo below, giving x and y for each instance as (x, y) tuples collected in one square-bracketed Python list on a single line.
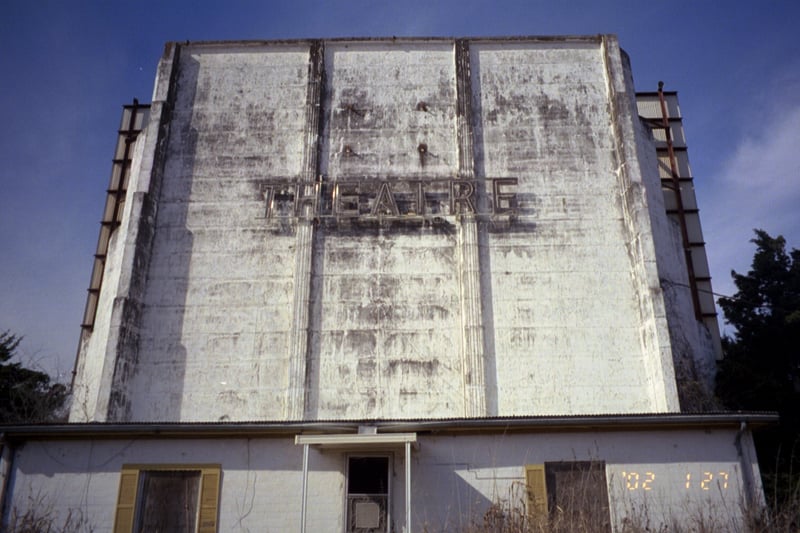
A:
[(68, 66)]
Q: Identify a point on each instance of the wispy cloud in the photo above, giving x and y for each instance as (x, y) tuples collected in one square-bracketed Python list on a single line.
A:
[(757, 187)]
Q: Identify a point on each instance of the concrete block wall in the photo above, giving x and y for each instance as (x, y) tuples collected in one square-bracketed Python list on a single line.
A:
[(246, 316), (260, 479), (655, 477)]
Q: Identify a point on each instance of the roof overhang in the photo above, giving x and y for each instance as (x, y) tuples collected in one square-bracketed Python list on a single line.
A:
[(349, 441), (543, 424)]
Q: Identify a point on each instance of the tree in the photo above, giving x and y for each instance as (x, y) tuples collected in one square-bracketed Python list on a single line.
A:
[(25, 395), (761, 367)]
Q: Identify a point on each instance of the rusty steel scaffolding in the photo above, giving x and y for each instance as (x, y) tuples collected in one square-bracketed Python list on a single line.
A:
[(134, 118)]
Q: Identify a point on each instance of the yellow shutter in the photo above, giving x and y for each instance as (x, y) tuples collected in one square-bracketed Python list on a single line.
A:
[(209, 498), (537, 489), (126, 500)]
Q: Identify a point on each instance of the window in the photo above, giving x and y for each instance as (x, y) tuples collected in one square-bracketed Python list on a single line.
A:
[(173, 498), (569, 495), (367, 494)]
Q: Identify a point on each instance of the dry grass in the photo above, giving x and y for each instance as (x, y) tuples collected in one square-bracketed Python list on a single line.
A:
[(39, 521), (509, 516), (40, 517)]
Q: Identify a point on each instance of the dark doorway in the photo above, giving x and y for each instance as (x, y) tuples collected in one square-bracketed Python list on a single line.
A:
[(367, 494)]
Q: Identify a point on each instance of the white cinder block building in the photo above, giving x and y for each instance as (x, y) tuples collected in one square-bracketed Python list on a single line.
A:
[(394, 285)]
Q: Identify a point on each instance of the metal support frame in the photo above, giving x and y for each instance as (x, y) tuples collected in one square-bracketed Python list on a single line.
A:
[(676, 187), (304, 490), (408, 486), (112, 211)]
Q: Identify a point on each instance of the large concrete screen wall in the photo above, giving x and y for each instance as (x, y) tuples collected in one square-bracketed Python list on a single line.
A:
[(385, 229)]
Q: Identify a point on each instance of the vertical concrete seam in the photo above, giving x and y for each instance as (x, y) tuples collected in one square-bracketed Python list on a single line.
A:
[(466, 160), (472, 342), (304, 250)]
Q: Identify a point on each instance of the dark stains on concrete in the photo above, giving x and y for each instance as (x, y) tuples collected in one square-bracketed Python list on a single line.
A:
[(551, 109), (360, 341), (406, 367), (366, 369)]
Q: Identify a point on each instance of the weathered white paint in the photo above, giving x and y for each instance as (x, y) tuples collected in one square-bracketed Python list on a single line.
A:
[(454, 478), (225, 315)]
